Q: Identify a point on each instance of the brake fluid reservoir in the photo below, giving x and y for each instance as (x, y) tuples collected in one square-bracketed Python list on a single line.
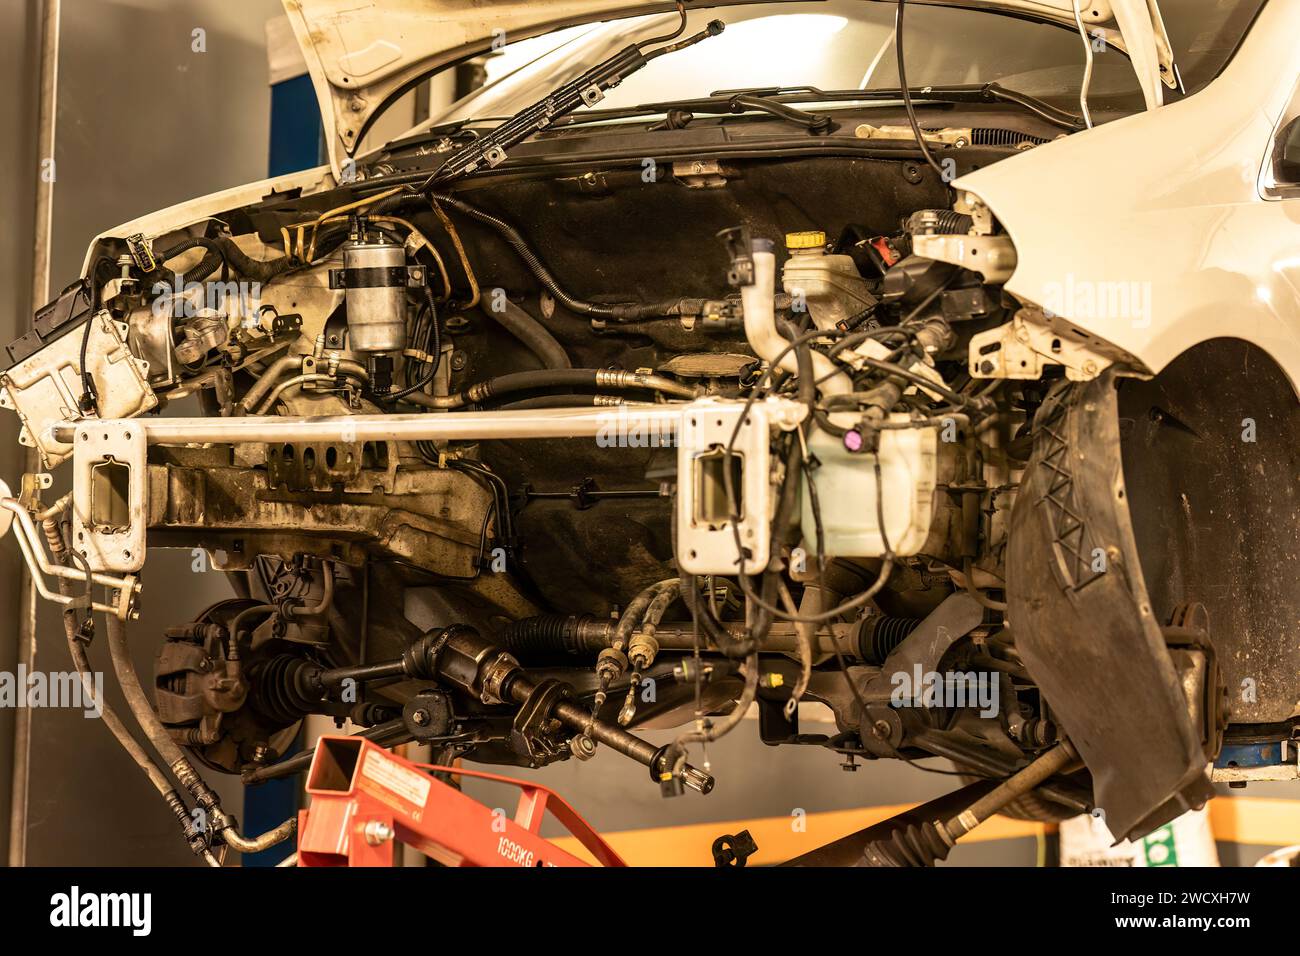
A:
[(828, 285), (846, 493)]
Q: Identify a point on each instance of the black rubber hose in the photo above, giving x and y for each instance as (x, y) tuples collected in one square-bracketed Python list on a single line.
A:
[(550, 401), (807, 382), (224, 250), (214, 257), (635, 611), (575, 378), (115, 726), (140, 706), (433, 347), (907, 97), (527, 381), (814, 122), (618, 313), (259, 270), (785, 523), (535, 336)]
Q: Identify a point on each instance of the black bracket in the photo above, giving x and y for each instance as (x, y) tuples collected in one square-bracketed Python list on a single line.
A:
[(729, 850)]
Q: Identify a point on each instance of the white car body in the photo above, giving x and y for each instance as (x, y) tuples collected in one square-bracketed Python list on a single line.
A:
[(1168, 205), (1173, 202)]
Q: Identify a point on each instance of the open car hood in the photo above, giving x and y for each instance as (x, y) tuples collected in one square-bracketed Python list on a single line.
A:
[(363, 54)]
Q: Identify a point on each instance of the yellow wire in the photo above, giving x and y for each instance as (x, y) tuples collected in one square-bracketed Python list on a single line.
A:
[(460, 251), (316, 223)]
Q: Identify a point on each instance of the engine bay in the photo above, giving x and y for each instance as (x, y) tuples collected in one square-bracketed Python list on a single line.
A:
[(515, 447)]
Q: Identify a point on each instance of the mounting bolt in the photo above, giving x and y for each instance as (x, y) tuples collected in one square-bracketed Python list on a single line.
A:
[(377, 832), (880, 729), (420, 717)]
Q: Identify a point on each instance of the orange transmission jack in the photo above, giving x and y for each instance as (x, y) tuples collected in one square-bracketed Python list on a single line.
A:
[(365, 799)]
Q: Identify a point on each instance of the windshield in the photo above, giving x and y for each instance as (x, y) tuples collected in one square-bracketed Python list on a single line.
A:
[(849, 45)]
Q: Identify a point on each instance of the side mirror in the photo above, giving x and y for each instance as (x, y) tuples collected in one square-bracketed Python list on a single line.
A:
[(1286, 155)]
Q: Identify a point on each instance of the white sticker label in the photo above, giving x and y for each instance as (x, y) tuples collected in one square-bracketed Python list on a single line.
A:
[(410, 785)]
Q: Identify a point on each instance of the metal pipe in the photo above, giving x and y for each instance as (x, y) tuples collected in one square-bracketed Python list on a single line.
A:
[(37, 565), (259, 843), (41, 256), (592, 635), (253, 397), (513, 424), (326, 598), (269, 402)]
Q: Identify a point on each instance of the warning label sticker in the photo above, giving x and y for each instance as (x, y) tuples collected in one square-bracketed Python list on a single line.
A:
[(411, 785)]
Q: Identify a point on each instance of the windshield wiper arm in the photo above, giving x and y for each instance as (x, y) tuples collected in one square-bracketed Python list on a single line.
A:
[(589, 88), (983, 93), (772, 96), (739, 103)]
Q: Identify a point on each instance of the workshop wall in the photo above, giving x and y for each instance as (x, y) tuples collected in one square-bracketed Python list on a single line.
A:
[(18, 119), (150, 113)]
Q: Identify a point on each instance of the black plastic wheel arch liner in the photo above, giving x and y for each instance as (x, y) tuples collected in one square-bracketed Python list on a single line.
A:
[(1083, 623)]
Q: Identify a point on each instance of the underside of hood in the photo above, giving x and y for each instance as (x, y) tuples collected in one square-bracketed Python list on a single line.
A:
[(363, 54)]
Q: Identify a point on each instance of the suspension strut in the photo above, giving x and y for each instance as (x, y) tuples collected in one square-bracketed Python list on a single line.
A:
[(460, 657)]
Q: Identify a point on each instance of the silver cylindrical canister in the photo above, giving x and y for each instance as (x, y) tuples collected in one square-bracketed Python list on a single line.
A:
[(375, 295)]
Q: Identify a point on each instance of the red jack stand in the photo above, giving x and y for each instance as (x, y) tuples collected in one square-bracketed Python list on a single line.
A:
[(364, 799)]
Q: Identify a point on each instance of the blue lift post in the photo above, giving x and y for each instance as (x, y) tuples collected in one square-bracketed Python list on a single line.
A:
[(297, 142)]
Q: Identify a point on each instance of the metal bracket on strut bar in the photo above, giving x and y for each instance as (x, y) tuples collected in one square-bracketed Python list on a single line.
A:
[(109, 514)]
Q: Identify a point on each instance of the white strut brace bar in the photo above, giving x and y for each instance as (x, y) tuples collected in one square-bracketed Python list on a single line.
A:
[(701, 430)]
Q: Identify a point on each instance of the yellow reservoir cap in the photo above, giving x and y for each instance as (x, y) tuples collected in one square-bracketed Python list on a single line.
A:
[(805, 240)]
